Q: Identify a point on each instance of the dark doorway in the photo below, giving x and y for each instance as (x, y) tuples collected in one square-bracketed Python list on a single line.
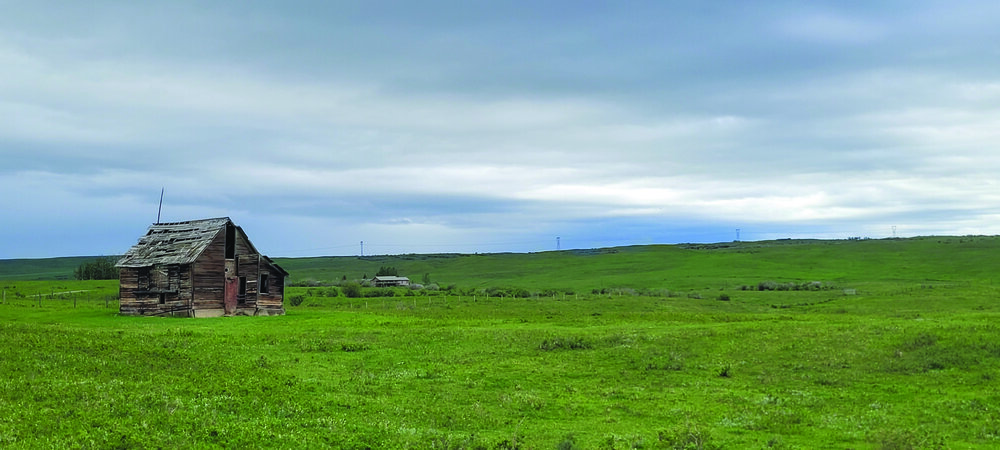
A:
[(230, 241)]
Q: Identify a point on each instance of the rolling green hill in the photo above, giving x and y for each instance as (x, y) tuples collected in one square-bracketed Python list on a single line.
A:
[(684, 266), (692, 266), (42, 268)]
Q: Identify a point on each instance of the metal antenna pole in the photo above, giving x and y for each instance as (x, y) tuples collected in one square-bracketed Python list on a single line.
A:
[(558, 245), (160, 209), (362, 248)]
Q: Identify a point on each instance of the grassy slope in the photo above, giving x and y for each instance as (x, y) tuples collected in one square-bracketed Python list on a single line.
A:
[(910, 362), (41, 269), (680, 267), (642, 267)]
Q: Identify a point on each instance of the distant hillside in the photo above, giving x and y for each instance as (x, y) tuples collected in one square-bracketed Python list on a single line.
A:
[(41, 269), (684, 266)]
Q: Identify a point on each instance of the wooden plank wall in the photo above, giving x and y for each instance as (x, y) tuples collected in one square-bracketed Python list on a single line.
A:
[(274, 299), (209, 275), (134, 286)]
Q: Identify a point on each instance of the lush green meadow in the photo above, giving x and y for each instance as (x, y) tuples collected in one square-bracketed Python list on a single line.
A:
[(898, 346)]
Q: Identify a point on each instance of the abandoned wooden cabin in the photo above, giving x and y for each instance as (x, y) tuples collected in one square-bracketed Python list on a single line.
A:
[(199, 268)]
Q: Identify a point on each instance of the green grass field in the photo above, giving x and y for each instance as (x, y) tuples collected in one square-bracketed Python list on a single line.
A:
[(896, 348)]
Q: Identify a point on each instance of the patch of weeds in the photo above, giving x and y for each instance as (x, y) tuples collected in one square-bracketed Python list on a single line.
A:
[(726, 371), (565, 343), (514, 443), (920, 341), (296, 300), (657, 361), (615, 441), (569, 443), (317, 345), (686, 437), (354, 346), (923, 353), (723, 298), (906, 440)]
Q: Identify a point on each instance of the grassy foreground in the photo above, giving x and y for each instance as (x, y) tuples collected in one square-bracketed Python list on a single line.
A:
[(877, 359)]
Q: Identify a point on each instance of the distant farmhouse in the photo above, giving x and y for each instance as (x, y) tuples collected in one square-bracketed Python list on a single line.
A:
[(199, 268), (388, 281)]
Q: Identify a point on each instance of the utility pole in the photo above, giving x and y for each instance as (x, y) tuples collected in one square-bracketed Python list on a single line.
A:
[(362, 248), (558, 246)]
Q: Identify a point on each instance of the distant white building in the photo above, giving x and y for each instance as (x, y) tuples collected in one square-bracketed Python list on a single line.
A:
[(387, 281)]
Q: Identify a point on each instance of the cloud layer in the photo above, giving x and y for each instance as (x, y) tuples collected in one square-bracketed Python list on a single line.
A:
[(459, 126)]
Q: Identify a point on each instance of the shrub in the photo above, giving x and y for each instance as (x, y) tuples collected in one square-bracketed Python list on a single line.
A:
[(351, 290), (296, 300), (379, 292), (724, 297)]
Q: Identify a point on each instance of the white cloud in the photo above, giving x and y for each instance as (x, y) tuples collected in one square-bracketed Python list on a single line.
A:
[(788, 124)]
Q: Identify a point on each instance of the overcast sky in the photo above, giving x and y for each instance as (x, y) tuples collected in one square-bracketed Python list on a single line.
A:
[(468, 126)]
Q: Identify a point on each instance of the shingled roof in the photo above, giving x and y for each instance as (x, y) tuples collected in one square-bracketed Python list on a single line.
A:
[(173, 243)]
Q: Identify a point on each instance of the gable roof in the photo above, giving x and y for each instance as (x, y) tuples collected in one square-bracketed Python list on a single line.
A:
[(174, 242)]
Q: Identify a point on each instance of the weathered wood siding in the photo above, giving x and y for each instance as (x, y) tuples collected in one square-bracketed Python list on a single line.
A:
[(273, 300), (249, 270), (156, 290), (209, 275)]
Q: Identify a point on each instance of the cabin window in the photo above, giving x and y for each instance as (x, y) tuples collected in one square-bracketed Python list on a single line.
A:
[(143, 280), (265, 284), (163, 298)]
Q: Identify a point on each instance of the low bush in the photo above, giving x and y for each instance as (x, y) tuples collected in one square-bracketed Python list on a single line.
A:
[(351, 290), (379, 292)]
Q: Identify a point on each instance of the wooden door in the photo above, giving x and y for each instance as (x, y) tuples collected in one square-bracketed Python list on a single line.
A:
[(232, 288), (230, 302)]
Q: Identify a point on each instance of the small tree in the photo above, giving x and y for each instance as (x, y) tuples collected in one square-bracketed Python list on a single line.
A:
[(387, 271), (427, 279)]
